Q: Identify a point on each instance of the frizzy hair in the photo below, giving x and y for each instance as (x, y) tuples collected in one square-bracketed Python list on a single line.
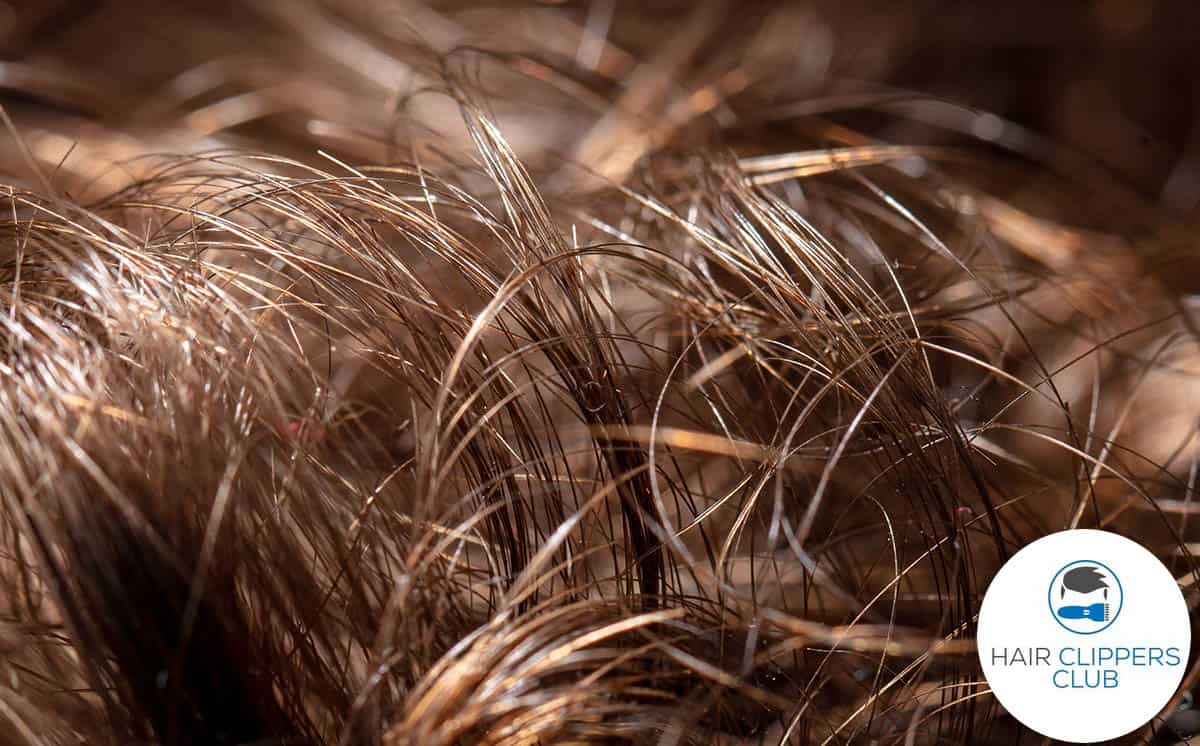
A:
[(430, 380)]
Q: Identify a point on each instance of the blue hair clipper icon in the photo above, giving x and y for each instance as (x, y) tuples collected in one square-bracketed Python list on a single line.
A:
[(1098, 612), (1085, 579)]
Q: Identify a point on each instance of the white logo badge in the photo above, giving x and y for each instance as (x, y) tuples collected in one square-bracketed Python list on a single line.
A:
[(1083, 636)]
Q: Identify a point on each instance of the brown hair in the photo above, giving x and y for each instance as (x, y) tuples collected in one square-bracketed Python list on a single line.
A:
[(548, 375)]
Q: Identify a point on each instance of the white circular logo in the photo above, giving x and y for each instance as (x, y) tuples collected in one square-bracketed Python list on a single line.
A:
[(1083, 636)]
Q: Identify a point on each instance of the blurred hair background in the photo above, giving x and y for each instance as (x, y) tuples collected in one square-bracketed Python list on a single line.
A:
[(1109, 79)]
